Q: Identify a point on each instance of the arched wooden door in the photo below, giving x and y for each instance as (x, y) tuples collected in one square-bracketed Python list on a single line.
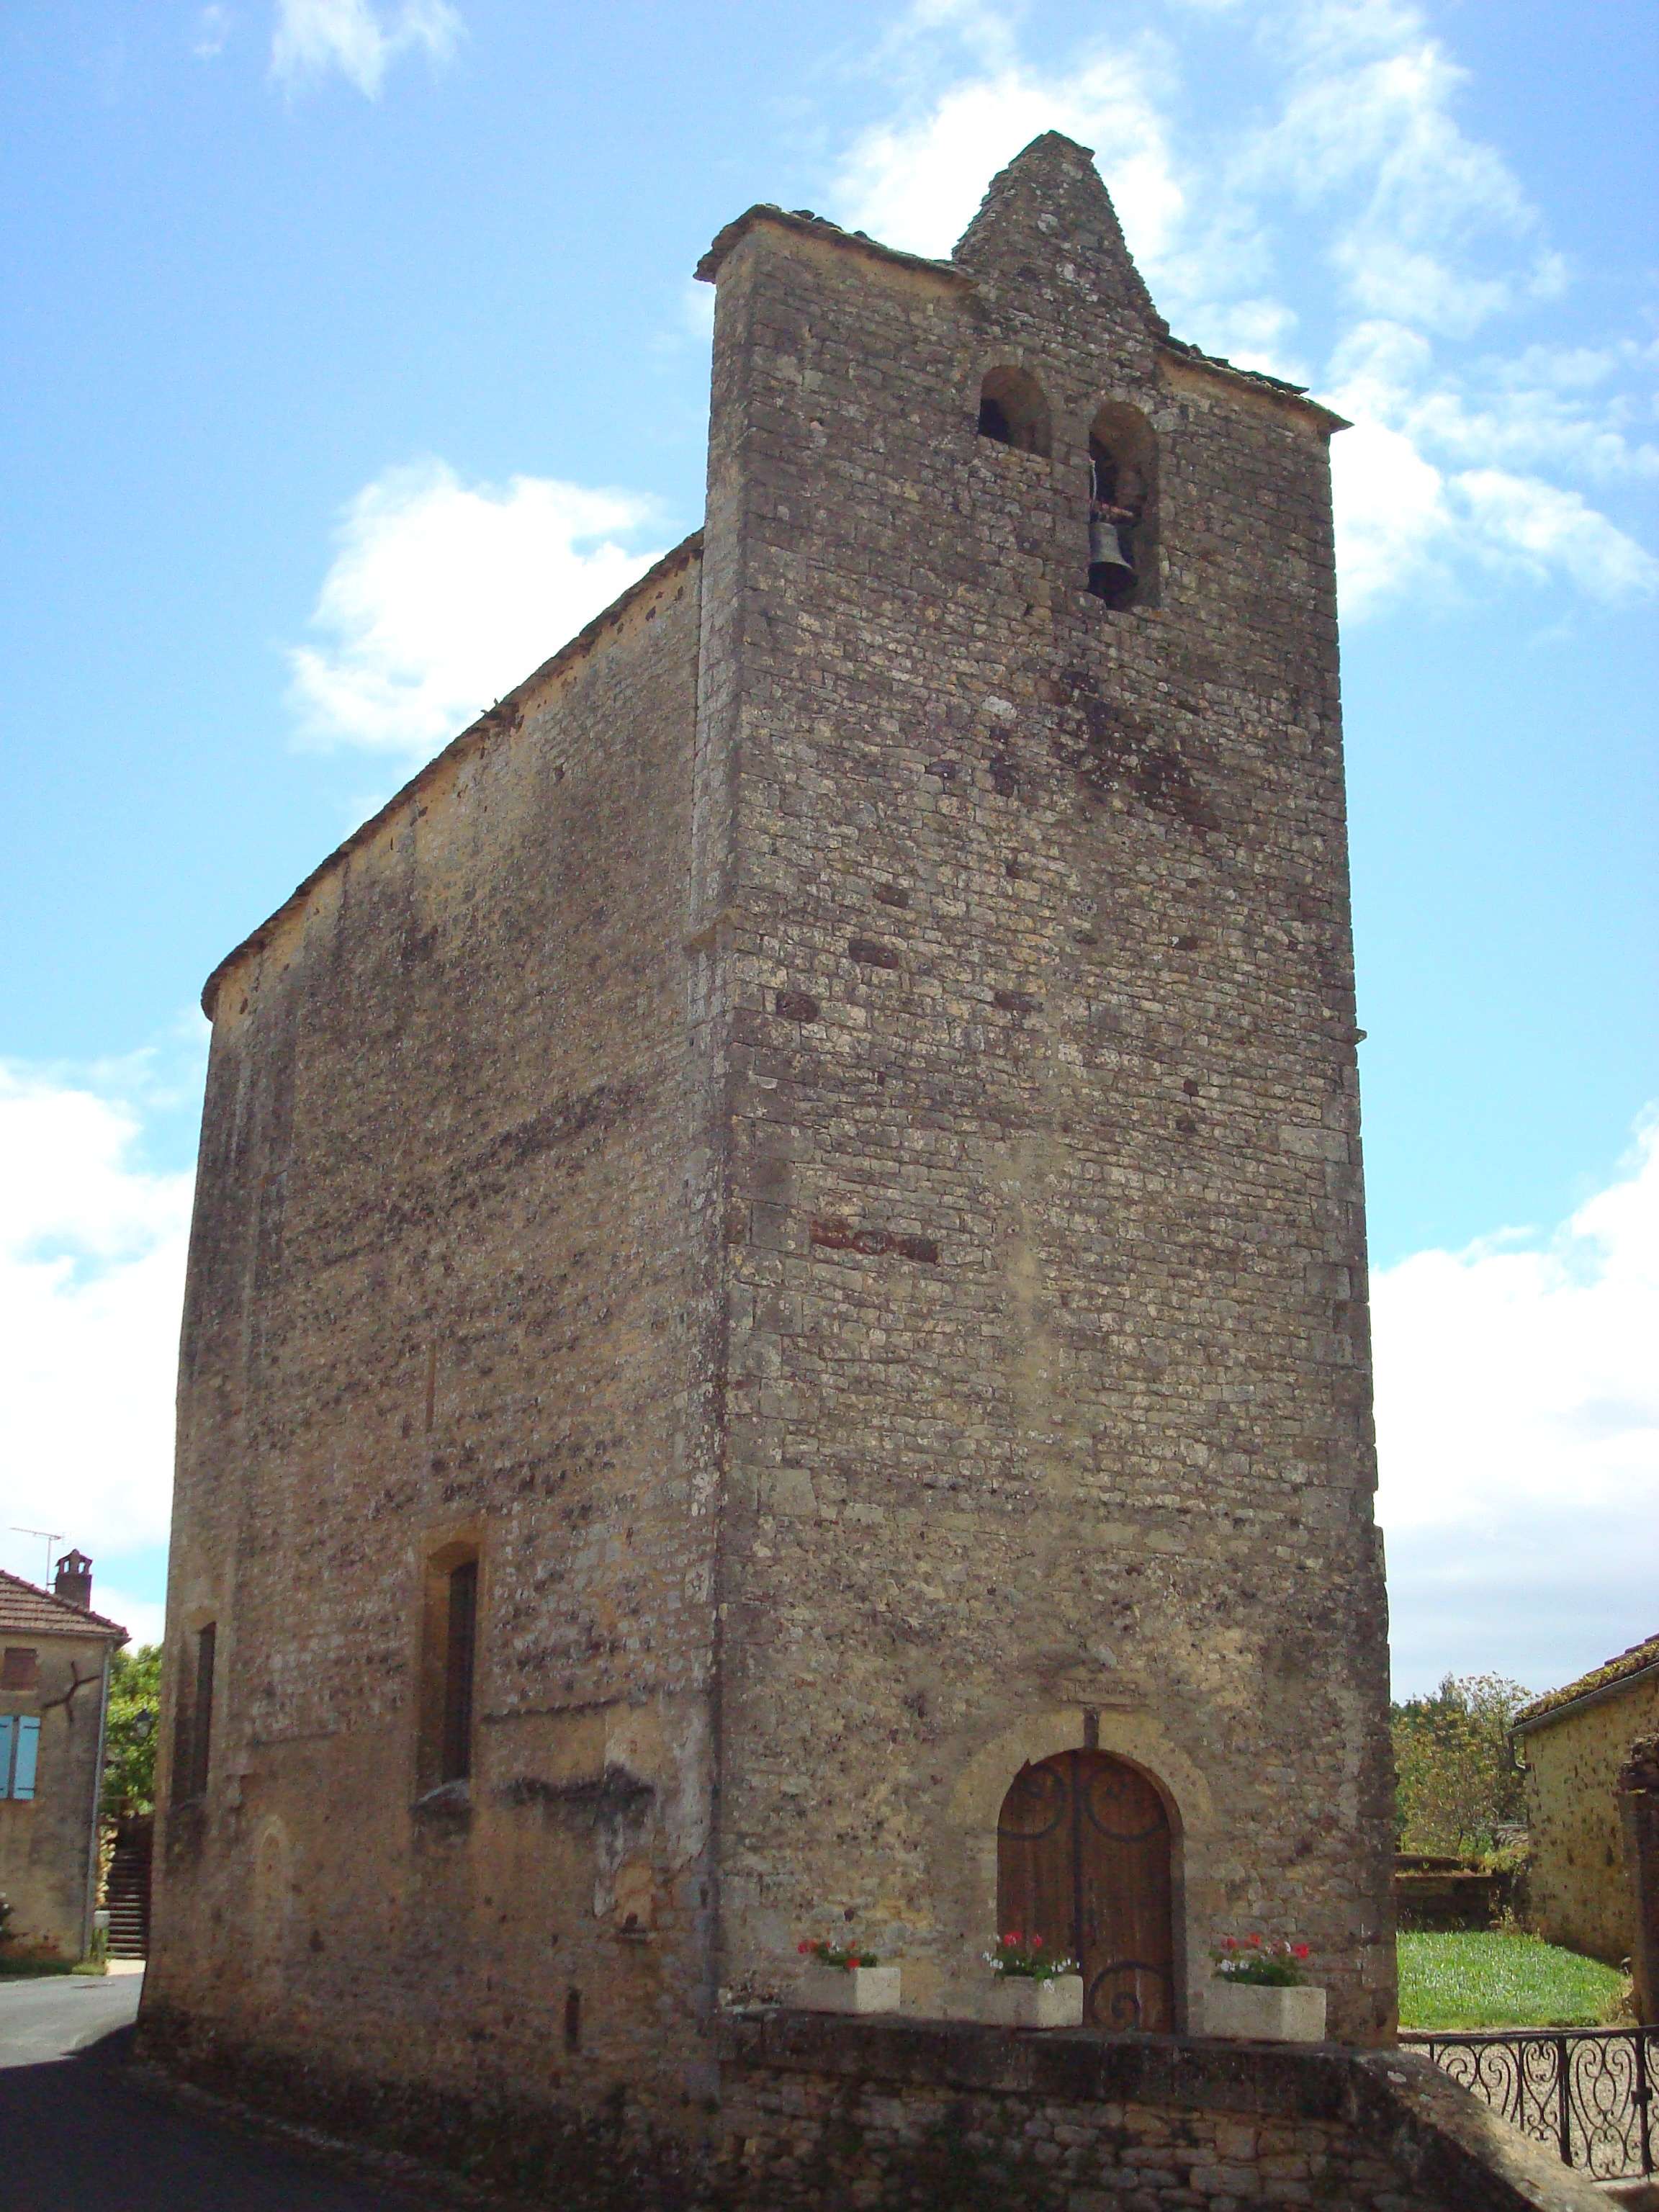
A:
[(1083, 1861)]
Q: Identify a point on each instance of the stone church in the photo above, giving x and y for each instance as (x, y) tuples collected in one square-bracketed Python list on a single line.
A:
[(776, 1335)]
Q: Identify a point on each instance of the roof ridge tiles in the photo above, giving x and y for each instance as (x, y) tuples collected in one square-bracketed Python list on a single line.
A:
[(1637, 1659), (26, 1608)]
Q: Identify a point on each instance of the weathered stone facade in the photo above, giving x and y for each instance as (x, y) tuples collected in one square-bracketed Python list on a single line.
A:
[(54, 1691), (1581, 1892), (821, 1141), (439, 1291)]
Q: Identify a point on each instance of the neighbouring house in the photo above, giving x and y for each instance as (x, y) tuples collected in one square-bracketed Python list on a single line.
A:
[(54, 1693), (776, 1334), (1574, 1741)]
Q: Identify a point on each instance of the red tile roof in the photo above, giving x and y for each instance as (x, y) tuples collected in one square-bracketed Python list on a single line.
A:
[(26, 1609)]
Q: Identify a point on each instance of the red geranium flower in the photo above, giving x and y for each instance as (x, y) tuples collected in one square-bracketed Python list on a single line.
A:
[(1256, 1940), (1301, 1950)]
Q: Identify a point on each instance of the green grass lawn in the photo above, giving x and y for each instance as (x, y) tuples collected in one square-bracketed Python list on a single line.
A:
[(1500, 1981)]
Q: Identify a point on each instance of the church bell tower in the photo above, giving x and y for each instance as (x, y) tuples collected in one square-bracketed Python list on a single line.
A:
[(1034, 1245)]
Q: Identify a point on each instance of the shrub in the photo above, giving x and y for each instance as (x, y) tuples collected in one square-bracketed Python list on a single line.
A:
[(1458, 1780)]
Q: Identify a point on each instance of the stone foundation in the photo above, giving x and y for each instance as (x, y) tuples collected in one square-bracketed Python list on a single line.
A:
[(880, 2114), (818, 2113), (541, 2146)]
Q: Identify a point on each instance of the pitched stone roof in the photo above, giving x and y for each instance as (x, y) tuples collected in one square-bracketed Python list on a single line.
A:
[(26, 1609), (1611, 1675)]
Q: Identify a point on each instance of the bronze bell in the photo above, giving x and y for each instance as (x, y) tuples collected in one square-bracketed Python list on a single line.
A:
[(1111, 572), (1106, 544)]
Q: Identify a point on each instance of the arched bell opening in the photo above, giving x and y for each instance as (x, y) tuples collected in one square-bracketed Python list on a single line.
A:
[(1014, 410), (1122, 507), (1087, 1859)]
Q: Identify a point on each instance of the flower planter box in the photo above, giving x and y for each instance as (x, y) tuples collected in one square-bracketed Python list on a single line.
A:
[(1020, 2001), (851, 1989), (1251, 2013)]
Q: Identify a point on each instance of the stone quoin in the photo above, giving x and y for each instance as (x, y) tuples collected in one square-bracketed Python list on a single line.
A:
[(776, 1335)]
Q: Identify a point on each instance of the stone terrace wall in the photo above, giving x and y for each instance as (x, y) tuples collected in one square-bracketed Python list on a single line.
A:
[(438, 1292), (925, 2116)]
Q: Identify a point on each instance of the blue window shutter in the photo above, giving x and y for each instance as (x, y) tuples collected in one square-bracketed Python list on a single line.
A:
[(7, 1725), (28, 1747)]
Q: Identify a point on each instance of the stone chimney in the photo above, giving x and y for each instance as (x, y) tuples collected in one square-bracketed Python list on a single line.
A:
[(73, 1580)]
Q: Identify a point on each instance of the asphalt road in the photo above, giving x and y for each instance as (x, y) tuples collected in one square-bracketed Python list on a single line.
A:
[(76, 2136)]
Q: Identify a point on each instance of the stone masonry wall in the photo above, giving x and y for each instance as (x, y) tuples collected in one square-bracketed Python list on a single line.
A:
[(922, 2117), (44, 1841), (439, 1291), (1031, 1018), (1579, 1889), (822, 1137)]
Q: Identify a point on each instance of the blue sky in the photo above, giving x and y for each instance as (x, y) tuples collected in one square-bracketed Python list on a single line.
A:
[(353, 361)]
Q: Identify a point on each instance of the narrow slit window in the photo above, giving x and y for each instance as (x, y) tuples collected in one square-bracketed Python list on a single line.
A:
[(460, 1650), (446, 1699), (192, 1740), (202, 1734)]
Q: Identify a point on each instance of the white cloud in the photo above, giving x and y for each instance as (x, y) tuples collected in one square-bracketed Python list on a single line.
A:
[(362, 41), (1400, 517), (212, 31), (989, 31), (916, 182), (1392, 515), (443, 595), (1368, 118), (1543, 404), (92, 1261), (1544, 532), (142, 1617), (1517, 1410)]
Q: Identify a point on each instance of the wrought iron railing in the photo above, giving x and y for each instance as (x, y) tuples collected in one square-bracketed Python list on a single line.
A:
[(1589, 2093)]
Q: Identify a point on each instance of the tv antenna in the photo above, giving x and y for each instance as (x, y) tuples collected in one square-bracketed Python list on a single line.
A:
[(50, 1538)]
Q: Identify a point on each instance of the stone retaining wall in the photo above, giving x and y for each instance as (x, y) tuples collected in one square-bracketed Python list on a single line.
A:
[(819, 2114), (892, 2113), (1440, 1894)]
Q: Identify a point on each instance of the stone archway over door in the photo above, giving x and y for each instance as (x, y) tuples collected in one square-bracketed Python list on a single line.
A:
[(1083, 1860)]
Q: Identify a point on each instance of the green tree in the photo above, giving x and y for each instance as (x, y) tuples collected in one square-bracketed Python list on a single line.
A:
[(1458, 1778), (135, 1699)]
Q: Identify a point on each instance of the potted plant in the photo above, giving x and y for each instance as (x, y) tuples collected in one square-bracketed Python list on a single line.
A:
[(846, 1977), (1258, 1994), (1031, 1986)]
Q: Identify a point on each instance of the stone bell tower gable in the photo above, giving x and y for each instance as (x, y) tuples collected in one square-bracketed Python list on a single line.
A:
[(1047, 238), (1030, 1188)]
